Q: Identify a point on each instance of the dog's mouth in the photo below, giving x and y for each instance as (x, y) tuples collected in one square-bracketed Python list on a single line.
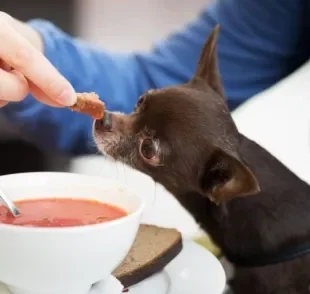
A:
[(111, 135), (103, 134), (104, 124)]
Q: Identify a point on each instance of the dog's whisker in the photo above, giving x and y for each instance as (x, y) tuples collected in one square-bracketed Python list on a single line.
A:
[(125, 173), (155, 193)]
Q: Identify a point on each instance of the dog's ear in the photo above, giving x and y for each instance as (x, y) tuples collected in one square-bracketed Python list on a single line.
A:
[(207, 69), (225, 177)]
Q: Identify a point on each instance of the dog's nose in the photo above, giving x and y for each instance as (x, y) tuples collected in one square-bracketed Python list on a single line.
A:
[(105, 124)]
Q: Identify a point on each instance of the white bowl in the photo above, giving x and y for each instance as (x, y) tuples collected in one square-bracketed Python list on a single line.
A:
[(65, 260)]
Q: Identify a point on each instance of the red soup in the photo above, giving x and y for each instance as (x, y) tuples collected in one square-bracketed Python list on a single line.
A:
[(60, 212)]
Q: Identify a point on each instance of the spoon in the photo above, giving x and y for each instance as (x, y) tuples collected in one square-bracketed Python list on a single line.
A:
[(8, 203)]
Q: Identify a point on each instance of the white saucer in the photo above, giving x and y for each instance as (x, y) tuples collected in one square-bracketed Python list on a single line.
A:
[(194, 270)]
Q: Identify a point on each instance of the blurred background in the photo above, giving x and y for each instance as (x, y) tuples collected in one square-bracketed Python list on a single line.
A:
[(114, 24)]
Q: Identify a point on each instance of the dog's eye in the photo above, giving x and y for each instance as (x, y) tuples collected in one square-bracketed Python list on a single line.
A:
[(148, 148), (140, 101)]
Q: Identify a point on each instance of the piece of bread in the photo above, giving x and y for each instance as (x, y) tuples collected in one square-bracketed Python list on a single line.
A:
[(89, 103), (153, 249)]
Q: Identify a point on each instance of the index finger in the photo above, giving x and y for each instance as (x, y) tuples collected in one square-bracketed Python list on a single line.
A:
[(22, 56)]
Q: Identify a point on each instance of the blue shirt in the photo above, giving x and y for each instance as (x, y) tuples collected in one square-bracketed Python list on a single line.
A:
[(260, 42)]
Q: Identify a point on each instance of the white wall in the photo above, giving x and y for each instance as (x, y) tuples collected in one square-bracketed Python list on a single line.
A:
[(133, 24)]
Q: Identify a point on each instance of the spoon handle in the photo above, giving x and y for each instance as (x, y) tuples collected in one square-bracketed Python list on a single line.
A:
[(9, 204)]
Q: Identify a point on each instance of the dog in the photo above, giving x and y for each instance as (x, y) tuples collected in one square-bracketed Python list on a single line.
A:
[(254, 208)]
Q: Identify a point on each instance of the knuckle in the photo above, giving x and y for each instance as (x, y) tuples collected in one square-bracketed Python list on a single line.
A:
[(14, 88), (22, 58), (23, 89), (4, 20), (4, 17), (21, 95)]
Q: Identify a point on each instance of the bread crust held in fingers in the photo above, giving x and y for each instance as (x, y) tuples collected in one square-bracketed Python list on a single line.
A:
[(90, 104)]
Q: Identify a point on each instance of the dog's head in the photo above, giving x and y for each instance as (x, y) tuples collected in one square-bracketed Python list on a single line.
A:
[(183, 136)]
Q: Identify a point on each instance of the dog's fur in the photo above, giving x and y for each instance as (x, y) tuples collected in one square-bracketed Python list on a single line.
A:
[(184, 138)]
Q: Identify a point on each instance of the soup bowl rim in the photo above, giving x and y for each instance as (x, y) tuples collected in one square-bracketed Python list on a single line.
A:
[(75, 229)]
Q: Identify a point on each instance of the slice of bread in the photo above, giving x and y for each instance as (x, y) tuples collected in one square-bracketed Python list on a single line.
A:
[(89, 103), (153, 249)]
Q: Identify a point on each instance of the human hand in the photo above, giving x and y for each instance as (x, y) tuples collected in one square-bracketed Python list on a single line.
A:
[(24, 69)]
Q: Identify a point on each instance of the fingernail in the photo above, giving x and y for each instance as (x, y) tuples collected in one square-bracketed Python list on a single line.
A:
[(67, 97)]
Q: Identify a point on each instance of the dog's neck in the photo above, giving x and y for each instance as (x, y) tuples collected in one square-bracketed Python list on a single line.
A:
[(276, 219)]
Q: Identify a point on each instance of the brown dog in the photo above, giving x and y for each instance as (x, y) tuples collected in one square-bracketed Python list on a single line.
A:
[(253, 207)]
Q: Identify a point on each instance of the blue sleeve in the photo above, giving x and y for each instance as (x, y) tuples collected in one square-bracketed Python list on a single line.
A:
[(260, 43)]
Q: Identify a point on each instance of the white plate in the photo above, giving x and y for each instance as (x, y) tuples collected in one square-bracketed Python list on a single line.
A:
[(194, 270)]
